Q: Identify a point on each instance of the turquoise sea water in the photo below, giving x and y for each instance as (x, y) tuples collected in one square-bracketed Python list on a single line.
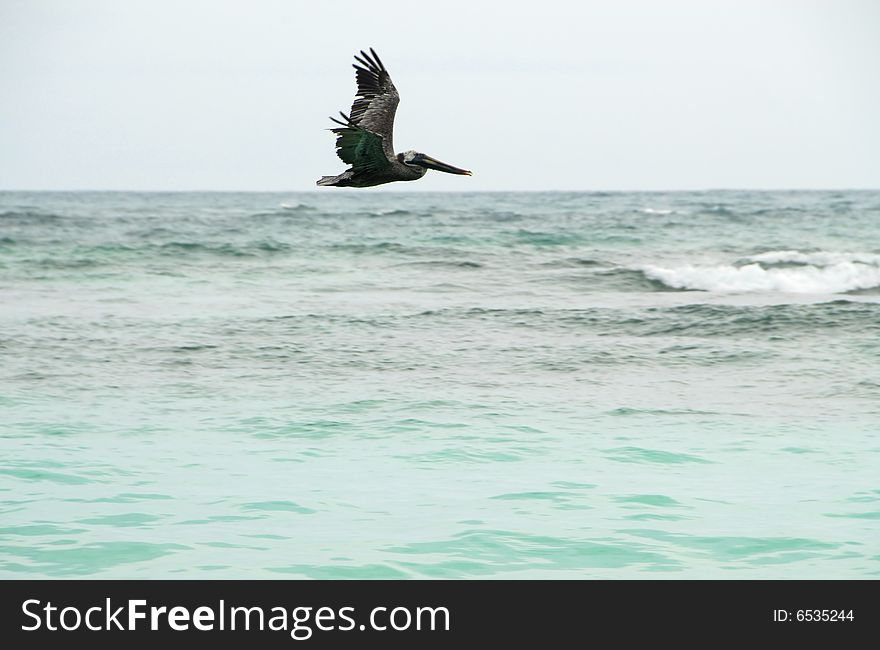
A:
[(392, 385)]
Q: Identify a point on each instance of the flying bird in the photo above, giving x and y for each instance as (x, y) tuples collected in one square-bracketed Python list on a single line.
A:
[(363, 138)]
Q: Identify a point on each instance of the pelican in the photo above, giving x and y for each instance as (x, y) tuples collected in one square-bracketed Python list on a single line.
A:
[(363, 138)]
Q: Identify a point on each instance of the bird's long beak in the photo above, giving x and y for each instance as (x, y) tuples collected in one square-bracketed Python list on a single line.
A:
[(433, 163)]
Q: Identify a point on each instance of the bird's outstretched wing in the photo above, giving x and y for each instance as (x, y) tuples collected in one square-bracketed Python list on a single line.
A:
[(376, 101), (372, 113)]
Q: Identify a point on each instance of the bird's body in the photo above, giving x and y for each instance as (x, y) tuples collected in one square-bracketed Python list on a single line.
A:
[(396, 171), (364, 138)]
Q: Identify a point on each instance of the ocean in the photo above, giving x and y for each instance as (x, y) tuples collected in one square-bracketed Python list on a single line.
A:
[(422, 385)]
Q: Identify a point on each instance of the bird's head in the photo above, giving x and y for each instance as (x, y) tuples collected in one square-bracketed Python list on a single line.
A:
[(417, 159)]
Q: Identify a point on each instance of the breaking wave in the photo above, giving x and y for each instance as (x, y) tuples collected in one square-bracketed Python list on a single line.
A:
[(777, 271)]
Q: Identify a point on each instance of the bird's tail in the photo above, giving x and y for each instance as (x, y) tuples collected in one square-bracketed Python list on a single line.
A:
[(343, 180)]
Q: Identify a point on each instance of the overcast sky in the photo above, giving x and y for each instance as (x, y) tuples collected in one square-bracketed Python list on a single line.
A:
[(639, 94)]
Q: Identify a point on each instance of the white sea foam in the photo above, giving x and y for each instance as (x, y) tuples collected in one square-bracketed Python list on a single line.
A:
[(295, 206), (819, 272)]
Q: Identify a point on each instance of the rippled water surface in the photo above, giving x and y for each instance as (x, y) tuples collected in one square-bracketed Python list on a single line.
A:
[(388, 385)]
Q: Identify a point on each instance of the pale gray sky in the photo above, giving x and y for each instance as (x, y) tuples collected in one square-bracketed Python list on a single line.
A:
[(634, 94)]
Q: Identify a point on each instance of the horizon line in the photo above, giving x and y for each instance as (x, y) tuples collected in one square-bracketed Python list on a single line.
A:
[(416, 191)]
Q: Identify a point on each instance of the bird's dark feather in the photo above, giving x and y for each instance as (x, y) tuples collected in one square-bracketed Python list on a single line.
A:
[(361, 149), (376, 101)]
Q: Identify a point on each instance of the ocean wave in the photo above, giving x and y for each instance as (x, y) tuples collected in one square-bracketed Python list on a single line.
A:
[(396, 248), (776, 271), (297, 207), (575, 262), (179, 248), (790, 320), (448, 264), (545, 238), (394, 212), (501, 215), (22, 217), (818, 258), (718, 209), (70, 263), (115, 256), (624, 279)]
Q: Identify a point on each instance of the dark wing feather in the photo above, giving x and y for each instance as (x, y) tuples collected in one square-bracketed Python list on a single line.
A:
[(376, 101), (361, 149)]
